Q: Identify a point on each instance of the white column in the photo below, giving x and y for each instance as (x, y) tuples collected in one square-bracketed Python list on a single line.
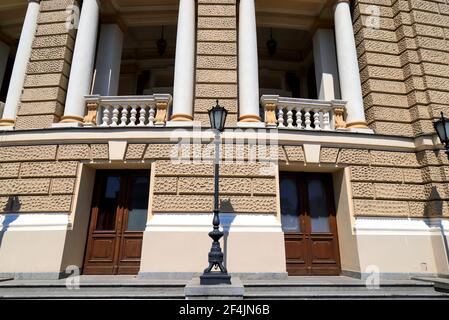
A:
[(4, 56), (109, 59), (351, 90), (80, 80), (20, 64), (326, 70), (184, 83), (248, 63)]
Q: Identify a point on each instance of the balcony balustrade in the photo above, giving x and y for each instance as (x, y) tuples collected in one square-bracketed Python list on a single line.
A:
[(127, 111), (303, 114)]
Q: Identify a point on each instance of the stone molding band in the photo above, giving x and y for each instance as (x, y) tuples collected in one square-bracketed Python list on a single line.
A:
[(181, 117)]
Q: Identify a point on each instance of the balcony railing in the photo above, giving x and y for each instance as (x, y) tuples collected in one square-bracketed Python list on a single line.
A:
[(303, 114), (127, 111)]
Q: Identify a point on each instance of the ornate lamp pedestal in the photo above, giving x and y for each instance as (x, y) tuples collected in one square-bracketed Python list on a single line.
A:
[(217, 117), (209, 276)]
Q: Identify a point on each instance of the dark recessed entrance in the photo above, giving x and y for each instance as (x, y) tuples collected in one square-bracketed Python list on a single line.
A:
[(118, 219), (309, 224)]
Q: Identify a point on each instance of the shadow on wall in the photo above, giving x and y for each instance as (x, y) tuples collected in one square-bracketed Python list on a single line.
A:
[(76, 236), (226, 207), (433, 211), (12, 205)]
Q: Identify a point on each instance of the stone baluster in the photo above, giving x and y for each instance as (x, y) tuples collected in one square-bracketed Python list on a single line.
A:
[(316, 119), (151, 115), (124, 118), (106, 116), (299, 117), (326, 120), (307, 118), (289, 117), (143, 114), (281, 117), (133, 117), (115, 115)]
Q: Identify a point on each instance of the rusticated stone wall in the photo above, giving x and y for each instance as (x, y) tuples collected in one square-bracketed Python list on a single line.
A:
[(45, 87), (404, 64), (387, 183), (216, 65), (384, 183), (43, 176), (184, 180)]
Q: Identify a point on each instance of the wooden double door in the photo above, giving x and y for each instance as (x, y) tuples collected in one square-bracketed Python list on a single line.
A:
[(118, 219), (309, 224)]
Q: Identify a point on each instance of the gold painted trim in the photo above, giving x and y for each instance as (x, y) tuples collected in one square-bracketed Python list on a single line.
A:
[(249, 118), (357, 124), (6, 122), (68, 119), (181, 117)]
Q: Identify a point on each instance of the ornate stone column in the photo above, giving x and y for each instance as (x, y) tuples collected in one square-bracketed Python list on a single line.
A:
[(183, 90), (248, 63), (109, 59), (21, 63), (80, 80), (326, 69), (351, 90)]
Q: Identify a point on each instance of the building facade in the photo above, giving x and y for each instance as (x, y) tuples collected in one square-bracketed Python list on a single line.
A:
[(330, 162)]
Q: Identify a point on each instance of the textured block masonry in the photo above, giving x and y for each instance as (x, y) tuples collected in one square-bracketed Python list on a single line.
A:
[(403, 63), (216, 64), (46, 82), (43, 177)]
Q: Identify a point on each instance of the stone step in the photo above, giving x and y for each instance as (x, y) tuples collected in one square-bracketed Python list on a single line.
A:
[(291, 288)]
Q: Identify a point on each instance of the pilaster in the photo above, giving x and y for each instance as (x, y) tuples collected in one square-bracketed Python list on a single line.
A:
[(216, 66), (43, 98)]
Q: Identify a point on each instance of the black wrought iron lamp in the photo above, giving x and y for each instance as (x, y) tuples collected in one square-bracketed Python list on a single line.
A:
[(216, 272), (272, 44), (442, 128), (161, 43)]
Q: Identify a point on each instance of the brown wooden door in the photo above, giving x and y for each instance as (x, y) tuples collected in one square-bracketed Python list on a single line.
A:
[(118, 219), (309, 224)]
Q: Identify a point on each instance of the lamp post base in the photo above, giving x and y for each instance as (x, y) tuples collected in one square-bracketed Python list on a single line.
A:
[(214, 278), (196, 291)]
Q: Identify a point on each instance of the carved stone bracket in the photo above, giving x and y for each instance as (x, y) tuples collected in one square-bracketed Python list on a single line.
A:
[(270, 115), (92, 106), (91, 117), (340, 122), (161, 113)]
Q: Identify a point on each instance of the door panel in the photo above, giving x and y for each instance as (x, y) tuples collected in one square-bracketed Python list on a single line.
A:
[(309, 224), (118, 219)]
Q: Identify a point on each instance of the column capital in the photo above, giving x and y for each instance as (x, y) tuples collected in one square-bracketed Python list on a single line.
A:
[(342, 1), (36, 1)]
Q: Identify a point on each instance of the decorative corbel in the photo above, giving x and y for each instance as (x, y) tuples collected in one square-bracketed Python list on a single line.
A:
[(339, 116), (270, 114), (161, 113), (92, 105)]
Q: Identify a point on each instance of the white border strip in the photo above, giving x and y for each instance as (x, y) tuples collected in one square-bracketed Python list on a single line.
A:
[(401, 226), (203, 223), (34, 222)]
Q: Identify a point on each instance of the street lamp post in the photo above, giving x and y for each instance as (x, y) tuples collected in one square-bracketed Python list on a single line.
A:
[(217, 117), (442, 128)]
